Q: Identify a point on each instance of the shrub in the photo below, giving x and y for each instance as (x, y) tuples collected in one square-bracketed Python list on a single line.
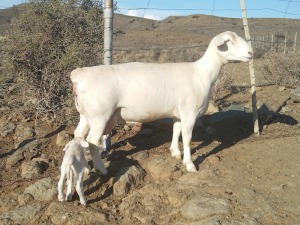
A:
[(46, 42)]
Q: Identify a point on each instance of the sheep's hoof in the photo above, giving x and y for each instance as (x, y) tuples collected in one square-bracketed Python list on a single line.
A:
[(61, 199), (175, 154), (69, 197), (101, 173), (190, 167)]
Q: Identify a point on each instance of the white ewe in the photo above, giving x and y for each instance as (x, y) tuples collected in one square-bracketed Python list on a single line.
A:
[(143, 92)]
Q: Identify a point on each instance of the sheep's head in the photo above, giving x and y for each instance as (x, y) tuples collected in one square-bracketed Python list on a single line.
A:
[(232, 47)]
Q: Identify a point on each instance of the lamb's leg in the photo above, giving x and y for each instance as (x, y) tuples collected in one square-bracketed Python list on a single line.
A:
[(70, 184), (79, 187), (60, 185), (187, 124), (175, 152)]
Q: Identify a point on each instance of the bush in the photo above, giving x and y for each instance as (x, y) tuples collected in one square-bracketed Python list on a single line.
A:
[(46, 42)]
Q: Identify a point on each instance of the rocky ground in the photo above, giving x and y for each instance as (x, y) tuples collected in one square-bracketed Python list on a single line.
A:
[(241, 178)]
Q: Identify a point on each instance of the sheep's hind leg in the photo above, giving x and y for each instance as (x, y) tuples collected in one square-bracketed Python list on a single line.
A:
[(69, 184), (60, 185), (79, 188), (175, 152), (82, 128), (94, 138)]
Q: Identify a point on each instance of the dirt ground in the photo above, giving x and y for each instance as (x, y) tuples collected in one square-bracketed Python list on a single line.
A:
[(241, 178)]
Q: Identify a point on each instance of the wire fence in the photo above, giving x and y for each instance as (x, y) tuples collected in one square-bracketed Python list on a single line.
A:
[(277, 63)]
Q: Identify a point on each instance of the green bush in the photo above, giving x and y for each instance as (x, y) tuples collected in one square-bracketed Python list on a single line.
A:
[(47, 41)]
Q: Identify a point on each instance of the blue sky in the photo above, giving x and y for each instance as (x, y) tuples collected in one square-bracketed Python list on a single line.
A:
[(160, 9)]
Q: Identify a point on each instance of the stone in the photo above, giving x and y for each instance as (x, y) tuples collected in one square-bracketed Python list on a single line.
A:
[(200, 207), (23, 132), (281, 89), (161, 168), (295, 94), (6, 129), (14, 158), (146, 132), (24, 199), (42, 190), (127, 179), (63, 138), (18, 154), (22, 215), (32, 169), (60, 214)]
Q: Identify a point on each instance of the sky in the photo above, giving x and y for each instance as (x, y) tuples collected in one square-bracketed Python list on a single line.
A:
[(160, 9)]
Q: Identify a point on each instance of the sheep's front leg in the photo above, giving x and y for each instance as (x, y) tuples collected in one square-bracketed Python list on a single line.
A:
[(187, 130), (94, 138), (175, 152)]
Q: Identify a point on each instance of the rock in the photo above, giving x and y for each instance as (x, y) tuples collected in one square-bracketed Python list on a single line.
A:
[(33, 169), (18, 155), (234, 115), (161, 168), (42, 190), (212, 108), (23, 215), (295, 94), (146, 132), (14, 158), (141, 156), (7, 203), (199, 207), (281, 89), (6, 129), (23, 132), (127, 179), (210, 130), (62, 214), (24, 199), (63, 138), (285, 109)]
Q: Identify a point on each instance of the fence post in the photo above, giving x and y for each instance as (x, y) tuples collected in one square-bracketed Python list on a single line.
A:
[(284, 50), (272, 40), (251, 70), (295, 42), (108, 31)]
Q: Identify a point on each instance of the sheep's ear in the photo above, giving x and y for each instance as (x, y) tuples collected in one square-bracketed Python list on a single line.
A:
[(84, 143), (222, 39), (219, 41)]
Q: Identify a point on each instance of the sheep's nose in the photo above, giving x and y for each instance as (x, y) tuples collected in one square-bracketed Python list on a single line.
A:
[(250, 53)]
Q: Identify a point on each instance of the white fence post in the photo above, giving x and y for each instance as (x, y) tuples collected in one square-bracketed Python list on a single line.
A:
[(251, 70), (108, 31), (295, 41)]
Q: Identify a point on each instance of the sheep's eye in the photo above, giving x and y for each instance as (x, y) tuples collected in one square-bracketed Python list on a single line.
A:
[(227, 41)]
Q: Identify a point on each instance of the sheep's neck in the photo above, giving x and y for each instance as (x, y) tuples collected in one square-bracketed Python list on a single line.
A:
[(209, 66)]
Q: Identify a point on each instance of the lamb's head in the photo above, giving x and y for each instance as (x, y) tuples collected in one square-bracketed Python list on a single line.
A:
[(230, 46)]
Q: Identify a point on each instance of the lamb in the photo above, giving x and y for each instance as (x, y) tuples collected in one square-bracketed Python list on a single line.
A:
[(143, 92), (74, 163)]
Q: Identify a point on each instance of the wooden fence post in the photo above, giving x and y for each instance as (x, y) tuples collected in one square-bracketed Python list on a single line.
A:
[(251, 70), (295, 41)]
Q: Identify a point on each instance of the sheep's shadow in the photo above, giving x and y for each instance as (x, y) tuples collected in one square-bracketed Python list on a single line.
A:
[(232, 127)]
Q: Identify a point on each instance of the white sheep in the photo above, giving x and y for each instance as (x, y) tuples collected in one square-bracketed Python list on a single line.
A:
[(143, 92), (74, 164)]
